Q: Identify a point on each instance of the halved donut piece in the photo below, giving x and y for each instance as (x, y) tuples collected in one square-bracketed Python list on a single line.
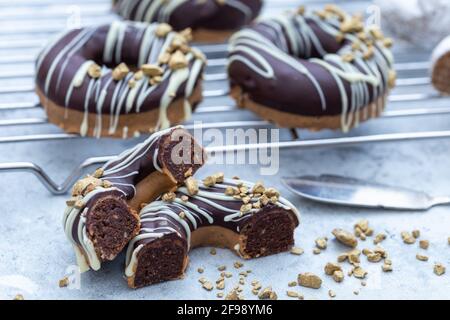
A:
[(119, 80), (316, 70), (247, 218), (210, 20)]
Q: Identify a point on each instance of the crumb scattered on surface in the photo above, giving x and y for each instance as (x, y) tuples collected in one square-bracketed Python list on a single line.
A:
[(297, 251), (345, 237), (64, 282), (439, 269)]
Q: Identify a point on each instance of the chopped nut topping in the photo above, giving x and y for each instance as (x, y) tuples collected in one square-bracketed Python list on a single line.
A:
[(330, 268), (439, 269), (246, 208), (292, 284), (98, 173), (162, 30), (351, 25), (388, 42), (131, 83), (258, 188), (191, 186), (345, 237), (207, 285), (408, 238), (164, 58), (338, 276), (230, 191), (85, 185), (138, 75), (272, 192), (392, 78), (219, 295), (64, 282), (107, 184), (19, 297), (222, 268), (380, 237), (178, 61), (267, 294), (234, 295), (219, 176), (386, 268), (331, 293), (94, 71), (200, 270), (322, 243), (238, 264), (182, 215), (424, 244), (416, 234), (348, 57), (297, 251), (120, 72), (421, 257), (309, 280), (292, 294), (317, 251), (213, 251), (168, 196)]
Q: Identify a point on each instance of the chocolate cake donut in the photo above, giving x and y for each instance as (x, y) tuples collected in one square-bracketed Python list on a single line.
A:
[(316, 70), (250, 219), (210, 20), (119, 80), (101, 217), (440, 66)]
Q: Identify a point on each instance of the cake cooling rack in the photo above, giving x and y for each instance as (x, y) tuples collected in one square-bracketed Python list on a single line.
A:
[(26, 25)]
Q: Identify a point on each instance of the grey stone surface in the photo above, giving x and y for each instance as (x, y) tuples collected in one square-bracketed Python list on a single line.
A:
[(34, 253)]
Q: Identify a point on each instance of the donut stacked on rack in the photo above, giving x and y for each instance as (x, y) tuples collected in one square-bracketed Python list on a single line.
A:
[(210, 20), (177, 212), (440, 66), (316, 70), (119, 80)]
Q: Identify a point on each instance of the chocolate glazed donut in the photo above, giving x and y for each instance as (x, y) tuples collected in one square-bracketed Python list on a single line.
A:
[(244, 217), (312, 70), (119, 80), (101, 217), (210, 20)]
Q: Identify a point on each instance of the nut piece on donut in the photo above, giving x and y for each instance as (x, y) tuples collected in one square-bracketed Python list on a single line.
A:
[(251, 224), (440, 66), (208, 20), (101, 216), (312, 69)]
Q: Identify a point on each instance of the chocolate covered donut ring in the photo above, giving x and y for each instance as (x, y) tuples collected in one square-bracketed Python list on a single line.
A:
[(119, 80), (210, 20), (316, 70), (250, 219), (101, 217)]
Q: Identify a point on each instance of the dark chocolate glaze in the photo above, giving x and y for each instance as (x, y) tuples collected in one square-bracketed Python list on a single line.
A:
[(208, 14), (292, 42)]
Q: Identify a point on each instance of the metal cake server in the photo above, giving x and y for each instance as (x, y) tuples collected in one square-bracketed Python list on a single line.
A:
[(359, 193)]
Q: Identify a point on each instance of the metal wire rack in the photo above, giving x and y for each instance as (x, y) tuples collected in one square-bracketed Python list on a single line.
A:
[(30, 36)]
